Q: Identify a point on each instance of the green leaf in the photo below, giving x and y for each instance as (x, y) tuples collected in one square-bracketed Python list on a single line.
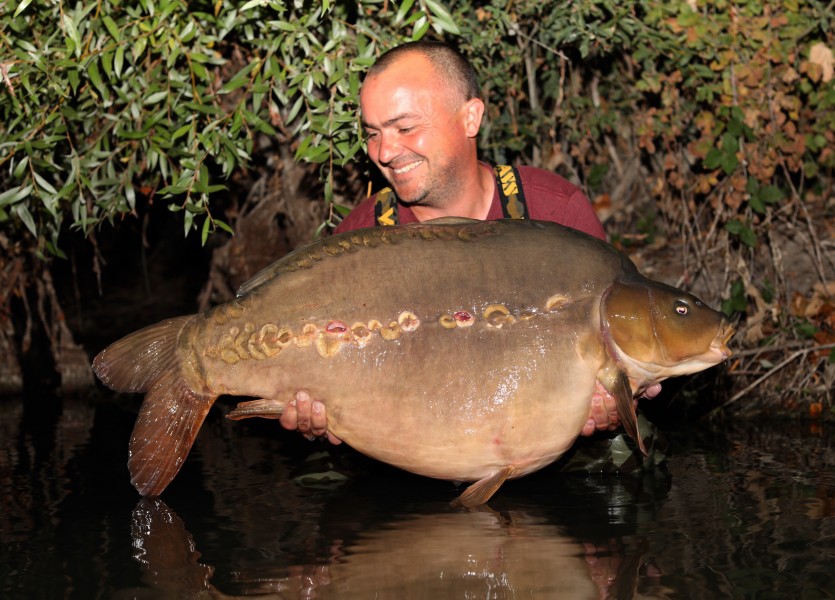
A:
[(107, 64), (172, 190), (130, 195), (204, 234), (442, 17), (139, 48), (806, 329), (252, 4), (72, 33), (404, 9), (25, 216), (742, 231), (112, 28), (341, 209), (119, 60), (222, 225), (297, 105), (756, 203), (737, 302), (730, 143), (713, 158), (771, 194), (132, 135), (95, 76), (729, 162), (14, 194), (155, 97), (20, 168), (188, 221), (44, 184), (181, 132), (22, 6), (421, 30)]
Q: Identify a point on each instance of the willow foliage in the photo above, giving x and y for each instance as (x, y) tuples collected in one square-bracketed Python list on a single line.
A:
[(104, 101)]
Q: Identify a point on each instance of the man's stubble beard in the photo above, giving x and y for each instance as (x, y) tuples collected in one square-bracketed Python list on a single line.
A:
[(434, 193)]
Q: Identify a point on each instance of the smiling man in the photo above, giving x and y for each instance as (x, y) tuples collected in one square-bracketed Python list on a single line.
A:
[(421, 112)]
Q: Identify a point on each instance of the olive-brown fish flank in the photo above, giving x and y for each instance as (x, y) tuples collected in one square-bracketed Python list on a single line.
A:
[(456, 349)]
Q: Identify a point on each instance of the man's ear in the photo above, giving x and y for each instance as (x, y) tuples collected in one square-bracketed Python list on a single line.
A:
[(473, 110)]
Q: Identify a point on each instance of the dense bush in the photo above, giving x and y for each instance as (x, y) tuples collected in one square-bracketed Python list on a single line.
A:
[(705, 128)]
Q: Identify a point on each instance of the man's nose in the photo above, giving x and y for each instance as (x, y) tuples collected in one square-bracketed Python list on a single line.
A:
[(389, 148)]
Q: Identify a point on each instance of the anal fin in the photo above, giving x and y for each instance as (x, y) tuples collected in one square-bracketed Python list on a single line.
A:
[(482, 490)]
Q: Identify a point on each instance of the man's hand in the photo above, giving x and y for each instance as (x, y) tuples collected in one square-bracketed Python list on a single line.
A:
[(308, 417), (603, 415)]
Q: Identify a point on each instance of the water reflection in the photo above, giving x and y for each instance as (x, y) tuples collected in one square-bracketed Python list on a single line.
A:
[(479, 554), (166, 552), (743, 512)]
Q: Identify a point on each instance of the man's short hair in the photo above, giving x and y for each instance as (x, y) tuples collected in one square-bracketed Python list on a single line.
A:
[(449, 62)]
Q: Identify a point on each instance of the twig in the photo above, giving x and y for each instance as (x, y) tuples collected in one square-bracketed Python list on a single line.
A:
[(4, 77), (780, 348), (772, 371)]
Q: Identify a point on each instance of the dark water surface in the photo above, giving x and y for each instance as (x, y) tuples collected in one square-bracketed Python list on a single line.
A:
[(747, 512)]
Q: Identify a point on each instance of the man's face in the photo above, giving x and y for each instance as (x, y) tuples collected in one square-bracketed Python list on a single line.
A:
[(416, 128)]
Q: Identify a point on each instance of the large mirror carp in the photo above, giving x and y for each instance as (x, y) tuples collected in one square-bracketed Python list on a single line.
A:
[(456, 349)]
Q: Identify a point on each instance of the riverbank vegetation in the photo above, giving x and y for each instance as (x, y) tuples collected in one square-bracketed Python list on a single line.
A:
[(703, 132)]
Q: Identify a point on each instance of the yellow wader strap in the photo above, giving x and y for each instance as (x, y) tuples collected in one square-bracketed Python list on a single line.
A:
[(510, 192), (385, 207), (508, 182)]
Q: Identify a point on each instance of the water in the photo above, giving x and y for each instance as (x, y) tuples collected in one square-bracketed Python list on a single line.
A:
[(746, 512)]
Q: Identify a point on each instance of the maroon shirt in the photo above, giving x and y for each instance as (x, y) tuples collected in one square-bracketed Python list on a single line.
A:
[(548, 196)]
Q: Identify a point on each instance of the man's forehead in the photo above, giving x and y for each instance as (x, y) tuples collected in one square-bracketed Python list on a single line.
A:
[(389, 102), (410, 87)]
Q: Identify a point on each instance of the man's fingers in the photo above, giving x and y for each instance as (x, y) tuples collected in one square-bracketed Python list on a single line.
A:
[(318, 420), (303, 412), (296, 415), (289, 418), (308, 417), (333, 439), (599, 413), (589, 428), (652, 391)]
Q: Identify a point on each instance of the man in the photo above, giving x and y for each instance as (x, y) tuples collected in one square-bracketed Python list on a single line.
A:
[(421, 112)]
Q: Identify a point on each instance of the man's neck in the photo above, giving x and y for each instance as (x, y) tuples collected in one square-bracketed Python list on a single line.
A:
[(474, 205)]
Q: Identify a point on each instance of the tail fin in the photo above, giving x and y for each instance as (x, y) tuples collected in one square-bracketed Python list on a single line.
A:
[(172, 412)]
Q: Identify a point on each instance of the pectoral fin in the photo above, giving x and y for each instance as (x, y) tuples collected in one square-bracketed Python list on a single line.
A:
[(626, 409), (263, 408), (482, 490)]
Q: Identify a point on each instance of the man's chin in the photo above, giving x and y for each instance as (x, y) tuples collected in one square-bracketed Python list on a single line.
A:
[(411, 200)]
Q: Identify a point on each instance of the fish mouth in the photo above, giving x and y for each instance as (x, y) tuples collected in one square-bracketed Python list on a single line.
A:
[(723, 336)]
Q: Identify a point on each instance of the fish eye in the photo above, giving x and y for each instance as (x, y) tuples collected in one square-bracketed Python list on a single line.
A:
[(681, 307)]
